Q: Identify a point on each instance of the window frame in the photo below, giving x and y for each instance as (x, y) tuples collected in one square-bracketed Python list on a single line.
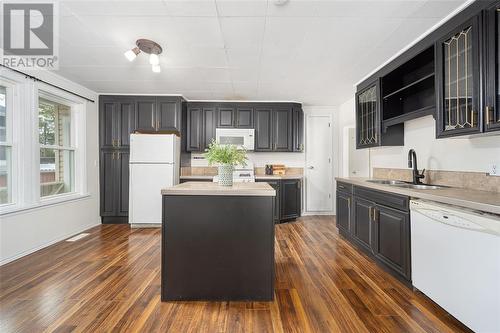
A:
[(11, 94), (77, 143), (25, 152)]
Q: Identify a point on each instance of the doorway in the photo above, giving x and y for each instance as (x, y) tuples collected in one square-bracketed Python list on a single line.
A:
[(319, 173)]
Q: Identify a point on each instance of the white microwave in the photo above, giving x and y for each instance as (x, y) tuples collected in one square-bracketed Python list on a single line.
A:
[(240, 137)]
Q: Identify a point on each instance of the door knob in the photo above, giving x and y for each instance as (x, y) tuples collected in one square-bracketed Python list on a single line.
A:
[(311, 167)]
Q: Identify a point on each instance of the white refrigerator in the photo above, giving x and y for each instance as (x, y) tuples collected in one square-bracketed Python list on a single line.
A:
[(154, 165)]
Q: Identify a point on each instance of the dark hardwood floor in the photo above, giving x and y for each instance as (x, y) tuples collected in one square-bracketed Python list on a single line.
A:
[(110, 281)]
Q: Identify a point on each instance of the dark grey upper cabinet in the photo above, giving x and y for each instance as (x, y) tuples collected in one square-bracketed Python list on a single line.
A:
[(168, 113), (278, 126), (209, 125), (298, 129), (145, 113), (117, 118), (458, 81), (492, 68), (194, 135), (368, 116), (263, 129), (282, 129), (290, 198), (362, 222), (343, 211), (107, 120), (244, 117), (226, 117), (391, 241)]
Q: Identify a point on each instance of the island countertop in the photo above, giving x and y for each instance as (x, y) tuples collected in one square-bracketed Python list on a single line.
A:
[(210, 188)]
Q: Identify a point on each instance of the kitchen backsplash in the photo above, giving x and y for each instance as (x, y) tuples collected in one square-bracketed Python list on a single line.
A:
[(469, 180), (260, 159)]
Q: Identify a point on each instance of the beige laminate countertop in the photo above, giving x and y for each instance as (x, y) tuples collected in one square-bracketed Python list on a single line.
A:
[(259, 177), (210, 188), (478, 200)]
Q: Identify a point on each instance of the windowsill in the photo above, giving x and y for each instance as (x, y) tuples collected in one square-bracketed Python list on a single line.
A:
[(44, 203)]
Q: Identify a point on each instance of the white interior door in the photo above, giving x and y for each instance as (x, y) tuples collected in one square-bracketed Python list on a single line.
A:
[(319, 182)]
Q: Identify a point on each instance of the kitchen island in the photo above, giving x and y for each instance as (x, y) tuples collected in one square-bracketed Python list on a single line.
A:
[(218, 242)]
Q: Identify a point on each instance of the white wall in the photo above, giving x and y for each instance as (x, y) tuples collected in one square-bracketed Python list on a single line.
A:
[(454, 154), (27, 231)]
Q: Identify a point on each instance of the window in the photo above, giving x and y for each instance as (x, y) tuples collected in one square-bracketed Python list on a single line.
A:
[(5, 149), (57, 153)]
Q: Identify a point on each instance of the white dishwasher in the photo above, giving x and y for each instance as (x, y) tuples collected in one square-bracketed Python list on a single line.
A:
[(455, 261)]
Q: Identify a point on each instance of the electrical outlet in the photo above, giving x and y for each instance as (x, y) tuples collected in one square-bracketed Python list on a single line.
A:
[(495, 170)]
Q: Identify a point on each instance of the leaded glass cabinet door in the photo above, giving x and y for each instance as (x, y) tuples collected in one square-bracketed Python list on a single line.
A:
[(367, 117), (492, 51), (457, 81)]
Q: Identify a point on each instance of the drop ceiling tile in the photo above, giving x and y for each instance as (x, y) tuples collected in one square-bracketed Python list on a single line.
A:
[(241, 32), (292, 8), (243, 57), (247, 8), (191, 8), (215, 74), (244, 74), (106, 8), (369, 9)]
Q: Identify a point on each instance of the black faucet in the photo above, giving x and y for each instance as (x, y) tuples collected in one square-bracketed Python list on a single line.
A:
[(412, 161)]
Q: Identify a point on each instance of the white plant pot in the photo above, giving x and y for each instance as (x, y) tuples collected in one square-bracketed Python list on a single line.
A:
[(226, 175)]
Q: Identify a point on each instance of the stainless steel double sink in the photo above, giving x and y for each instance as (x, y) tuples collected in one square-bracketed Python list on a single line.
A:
[(402, 184)]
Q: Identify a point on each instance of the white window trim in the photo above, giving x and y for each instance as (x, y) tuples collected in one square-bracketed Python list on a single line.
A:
[(26, 147)]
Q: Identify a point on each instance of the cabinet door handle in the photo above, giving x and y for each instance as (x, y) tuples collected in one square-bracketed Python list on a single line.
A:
[(117, 155), (349, 202), (375, 215), (370, 215), (489, 109), (113, 156)]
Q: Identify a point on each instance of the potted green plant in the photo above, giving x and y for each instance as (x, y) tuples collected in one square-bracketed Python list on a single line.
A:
[(226, 156)]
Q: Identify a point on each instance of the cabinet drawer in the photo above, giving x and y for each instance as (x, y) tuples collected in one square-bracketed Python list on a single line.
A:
[(395, 201), (344, 187)]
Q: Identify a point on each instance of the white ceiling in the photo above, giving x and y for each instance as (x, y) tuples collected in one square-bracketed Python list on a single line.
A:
[(308, 51)]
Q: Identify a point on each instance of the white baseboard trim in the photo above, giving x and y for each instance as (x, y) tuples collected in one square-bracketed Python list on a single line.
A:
[(58, 239), (317, 213), (145, 225)]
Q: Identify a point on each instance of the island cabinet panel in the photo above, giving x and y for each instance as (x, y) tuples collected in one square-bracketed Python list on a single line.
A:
[(458, 81), (379, 223), (215, 252), (492, 68)]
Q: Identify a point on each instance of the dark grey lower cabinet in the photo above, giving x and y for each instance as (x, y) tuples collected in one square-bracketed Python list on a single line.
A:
[(114, 176), (362, 222), (391, 241), (343, 212), (288, 200), (383, 232)]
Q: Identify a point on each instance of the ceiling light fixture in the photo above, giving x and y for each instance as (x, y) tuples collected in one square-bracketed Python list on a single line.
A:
[(149, 47)]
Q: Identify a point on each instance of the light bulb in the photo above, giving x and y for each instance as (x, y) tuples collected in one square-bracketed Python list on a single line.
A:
[(131, 54), (156, 68), (154, 59)]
